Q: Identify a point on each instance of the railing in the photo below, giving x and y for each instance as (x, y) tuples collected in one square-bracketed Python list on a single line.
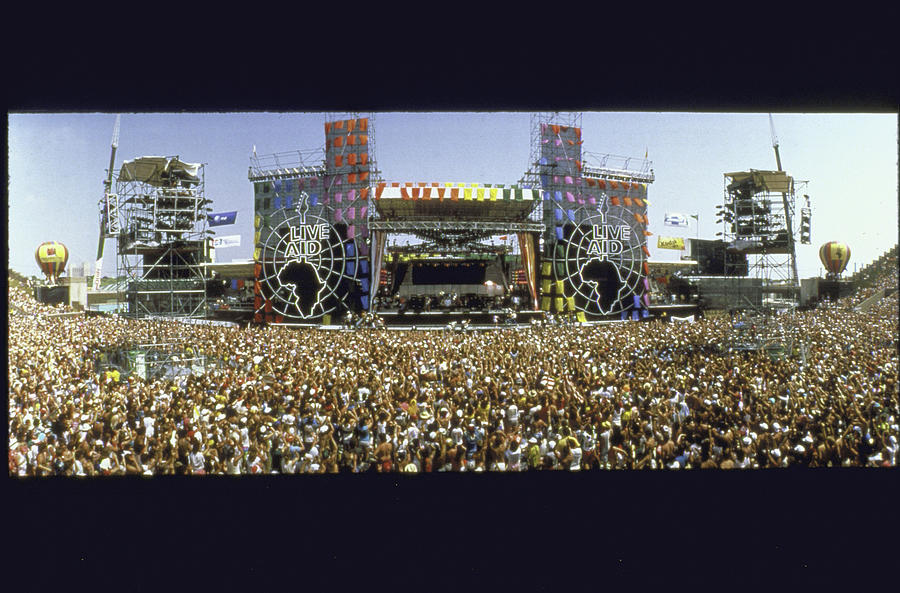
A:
[(287, 164)]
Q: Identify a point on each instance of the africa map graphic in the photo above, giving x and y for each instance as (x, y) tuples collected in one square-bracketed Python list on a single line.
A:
[(599, 283), (302, 284)]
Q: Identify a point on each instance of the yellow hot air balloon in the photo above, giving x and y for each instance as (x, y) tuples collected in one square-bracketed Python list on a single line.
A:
[(834, 256), (51, 257)]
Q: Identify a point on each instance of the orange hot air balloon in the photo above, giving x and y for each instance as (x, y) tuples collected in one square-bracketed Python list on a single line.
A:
[(51, 257), (834, 256)]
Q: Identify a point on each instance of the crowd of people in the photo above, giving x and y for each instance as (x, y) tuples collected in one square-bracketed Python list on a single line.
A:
[(633, 395)]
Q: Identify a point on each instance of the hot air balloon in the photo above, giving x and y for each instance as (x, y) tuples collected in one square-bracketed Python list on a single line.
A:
[(834, 256), (51, 257)]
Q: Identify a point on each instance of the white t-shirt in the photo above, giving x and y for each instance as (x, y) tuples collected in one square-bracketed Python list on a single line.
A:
[(457, 435), (197, 461), (148, 425), (603, 441), (512, 414), (514, 458), (576, 459)]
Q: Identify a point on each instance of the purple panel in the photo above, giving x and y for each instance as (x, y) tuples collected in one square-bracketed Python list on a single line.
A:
[(337, 197), (338, 216)]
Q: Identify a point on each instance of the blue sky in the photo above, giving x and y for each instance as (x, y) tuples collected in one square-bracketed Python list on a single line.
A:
[(57, 163)]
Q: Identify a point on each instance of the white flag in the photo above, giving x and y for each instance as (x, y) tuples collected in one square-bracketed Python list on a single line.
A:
[(676, 219), (227, 241)]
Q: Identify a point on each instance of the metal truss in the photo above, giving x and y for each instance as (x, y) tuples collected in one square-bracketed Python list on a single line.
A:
[(452, 226)]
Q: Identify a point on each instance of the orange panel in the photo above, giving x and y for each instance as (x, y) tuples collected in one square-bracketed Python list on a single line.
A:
[(454, 193), (363, 176), (441, 191), (327, 127), (363, 140), (351, 158), (555, 129), (639, 202), (601, 184), (426, 193), (351, 139), (338, 160), (627, 201), (364, 193), (403, 193), (378, 189), (339, 125), (338, 141), (591, 182), (363, 158), (363, 124), (351, 177), (351, 123), (415, 193), (614, 200)]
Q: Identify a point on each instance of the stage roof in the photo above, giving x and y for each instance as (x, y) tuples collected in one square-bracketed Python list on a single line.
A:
[(454, 201), (156, 170), (773, 181)]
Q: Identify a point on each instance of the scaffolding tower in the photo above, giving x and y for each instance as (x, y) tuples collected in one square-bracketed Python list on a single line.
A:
[(756, 215), (161, 239)]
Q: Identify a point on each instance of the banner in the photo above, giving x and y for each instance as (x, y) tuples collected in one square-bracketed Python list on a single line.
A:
[(676, 219), (97, 269), (228, 241), (222, 218), (670, 243)]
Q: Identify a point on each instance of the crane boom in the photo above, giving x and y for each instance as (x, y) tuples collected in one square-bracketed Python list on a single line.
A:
[(775, 142), (107, 190), (787, 210)]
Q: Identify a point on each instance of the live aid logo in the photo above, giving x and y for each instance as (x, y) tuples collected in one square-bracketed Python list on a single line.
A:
[(608, 239), (306, 240)]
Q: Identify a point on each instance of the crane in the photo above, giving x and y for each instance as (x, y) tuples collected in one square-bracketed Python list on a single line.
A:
[(109, 218), (787, 210)]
